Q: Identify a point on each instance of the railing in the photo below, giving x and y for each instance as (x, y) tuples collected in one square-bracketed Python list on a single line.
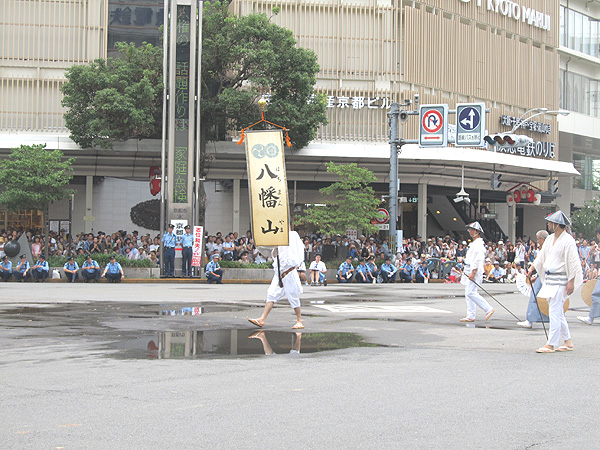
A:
[(468, 213)]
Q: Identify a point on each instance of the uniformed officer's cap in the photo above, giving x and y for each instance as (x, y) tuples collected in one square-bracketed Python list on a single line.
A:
[(215, 255), (4, 258), (112, 256), (70, 258), (42, 257), (88, 257), (388, 259), (370, 258), (171, 225), (348, 257), (187, 227), (23, 256), (318, 254)]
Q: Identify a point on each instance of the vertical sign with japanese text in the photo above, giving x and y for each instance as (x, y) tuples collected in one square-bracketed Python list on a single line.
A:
[(268, 187), (197, 246), (184, 39)]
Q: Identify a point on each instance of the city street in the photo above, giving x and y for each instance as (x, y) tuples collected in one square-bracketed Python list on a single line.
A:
[(385, 366)]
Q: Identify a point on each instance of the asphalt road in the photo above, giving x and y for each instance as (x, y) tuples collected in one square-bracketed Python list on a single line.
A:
[(120, 366)]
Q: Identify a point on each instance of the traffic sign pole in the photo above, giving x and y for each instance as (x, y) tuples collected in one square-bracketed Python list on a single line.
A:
[(393, 203)]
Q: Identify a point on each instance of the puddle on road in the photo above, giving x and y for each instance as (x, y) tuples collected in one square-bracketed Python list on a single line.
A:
[(198, 310), (126, 330), (232, 343), (124, 309)]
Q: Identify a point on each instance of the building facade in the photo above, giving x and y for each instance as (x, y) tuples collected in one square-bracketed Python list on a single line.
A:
[(512, 56)]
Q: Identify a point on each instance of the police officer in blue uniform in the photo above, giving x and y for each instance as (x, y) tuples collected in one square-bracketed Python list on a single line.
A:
[(40, 269), (113, 271), (372, 269), (6, 269), (169, 240), (21, 272), (90, 270), (71, 269), (214, 271), (388, 271), (346, 271), (187, 242), (405, 273)]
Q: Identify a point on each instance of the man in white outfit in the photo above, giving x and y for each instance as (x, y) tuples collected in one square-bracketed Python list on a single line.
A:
[(473, 274), (286, 282), (558, 266)]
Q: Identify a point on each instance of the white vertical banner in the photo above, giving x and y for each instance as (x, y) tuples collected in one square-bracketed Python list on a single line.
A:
[(197, 246), (399, 239), (268, 187)]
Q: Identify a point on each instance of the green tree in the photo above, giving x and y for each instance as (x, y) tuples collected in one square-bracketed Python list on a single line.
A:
[(587, 219), (115, 99), (243, 58), (352, 202), (34, 177)]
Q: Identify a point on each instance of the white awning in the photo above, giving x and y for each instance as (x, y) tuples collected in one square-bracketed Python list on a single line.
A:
[(502, 161)]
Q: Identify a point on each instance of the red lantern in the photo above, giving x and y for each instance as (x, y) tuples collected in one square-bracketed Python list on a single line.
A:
[(530, 195), (517, 196), (155, 180)]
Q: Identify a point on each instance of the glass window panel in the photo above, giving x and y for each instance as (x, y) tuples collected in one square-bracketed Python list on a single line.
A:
[(562, 26), (571, 29), (576, 94), (578, 32), (561, 90), (594, 38), (595, 173), (586, 35), (579, 164), (594, 98), (585, 97)]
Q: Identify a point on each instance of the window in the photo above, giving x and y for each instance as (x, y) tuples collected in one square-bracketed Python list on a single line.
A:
[(579, 32), (579, 93)]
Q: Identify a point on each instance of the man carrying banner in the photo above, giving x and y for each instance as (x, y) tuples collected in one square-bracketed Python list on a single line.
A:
[(558, 266), (270, 218), (285, 283)]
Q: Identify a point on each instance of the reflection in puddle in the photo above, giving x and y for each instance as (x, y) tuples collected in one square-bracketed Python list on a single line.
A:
[(232, 343), (198, 310)]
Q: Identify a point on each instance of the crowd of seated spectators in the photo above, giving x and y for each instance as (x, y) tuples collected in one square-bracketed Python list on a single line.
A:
[(129, 245), (504, 260)]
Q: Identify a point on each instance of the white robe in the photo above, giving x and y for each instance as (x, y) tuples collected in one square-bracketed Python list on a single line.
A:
[(556, 264), (290, 256), (558, 256), (474, 259)]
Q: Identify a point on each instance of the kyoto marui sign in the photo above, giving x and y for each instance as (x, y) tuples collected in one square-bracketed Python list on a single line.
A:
[(515, 11)]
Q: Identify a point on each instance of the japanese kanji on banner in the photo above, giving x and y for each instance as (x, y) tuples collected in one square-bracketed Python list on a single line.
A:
[(197, 246), (268, 187)]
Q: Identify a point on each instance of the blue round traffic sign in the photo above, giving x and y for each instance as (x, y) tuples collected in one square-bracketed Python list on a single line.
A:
[(469, 118)]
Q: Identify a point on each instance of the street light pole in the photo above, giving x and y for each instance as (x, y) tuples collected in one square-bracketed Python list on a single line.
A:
[(538, 112), (393, 195)]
